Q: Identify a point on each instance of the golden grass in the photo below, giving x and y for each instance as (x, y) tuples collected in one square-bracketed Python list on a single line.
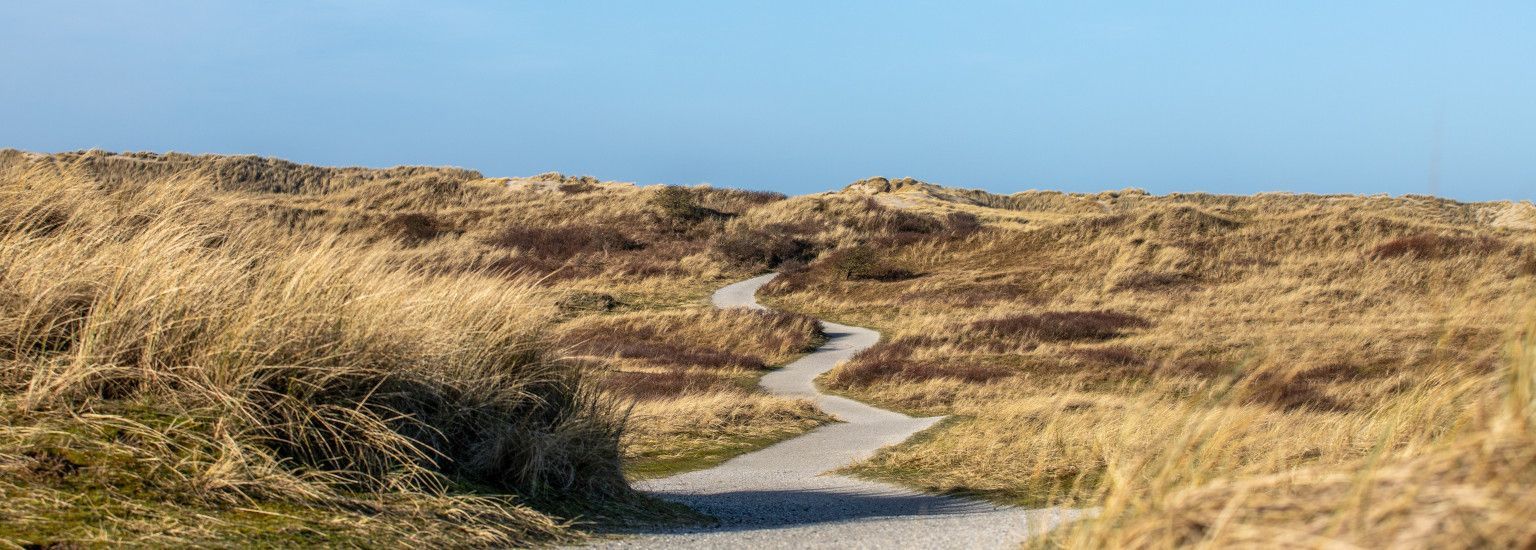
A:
[(163, 354), (200, 348), (1268, 335), (1450, 464)]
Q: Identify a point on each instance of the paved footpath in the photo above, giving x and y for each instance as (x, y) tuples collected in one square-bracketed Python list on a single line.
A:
[(782, 497)]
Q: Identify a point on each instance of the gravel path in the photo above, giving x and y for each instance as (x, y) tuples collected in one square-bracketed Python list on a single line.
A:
[(781, 496)]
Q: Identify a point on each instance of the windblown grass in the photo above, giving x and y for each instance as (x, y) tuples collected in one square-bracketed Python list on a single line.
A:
[(1143, 347), (166, 356)]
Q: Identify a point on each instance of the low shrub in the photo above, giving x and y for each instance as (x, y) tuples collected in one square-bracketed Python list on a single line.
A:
[(413, 228), (563, 241), (766, 246), (681, 205), (961, 224), (864, 263), (891, 362)]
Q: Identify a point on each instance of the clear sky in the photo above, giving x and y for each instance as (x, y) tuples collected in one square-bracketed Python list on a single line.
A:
[(802, 96)]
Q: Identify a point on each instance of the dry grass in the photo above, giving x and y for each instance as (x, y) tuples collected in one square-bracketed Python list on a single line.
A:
[(691, 377), (168, 354), (1450, 464), (205, 349), (1116, 354)]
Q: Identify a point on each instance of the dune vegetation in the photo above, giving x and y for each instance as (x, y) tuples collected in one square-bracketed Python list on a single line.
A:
[(200, 350), (1223, 370), (205, 350)]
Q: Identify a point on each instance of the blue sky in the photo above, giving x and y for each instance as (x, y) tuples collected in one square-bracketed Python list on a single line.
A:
[(1229, 97)]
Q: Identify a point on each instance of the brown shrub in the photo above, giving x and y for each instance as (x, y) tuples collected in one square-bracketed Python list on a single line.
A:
[(681, 205), (766, 246), (864, 263), (413, 228), (563, 241), (890, 362), (884, 220), (961, 224)]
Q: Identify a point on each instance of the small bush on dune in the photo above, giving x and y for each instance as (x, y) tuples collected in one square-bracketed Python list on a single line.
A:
[(864, 263), (961, 224), (766, 246), (413, 228), (680, 204)]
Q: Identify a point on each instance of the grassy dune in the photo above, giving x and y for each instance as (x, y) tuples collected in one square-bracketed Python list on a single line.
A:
[(212, 350), (176, 371), (1208, 369), (201, 350)]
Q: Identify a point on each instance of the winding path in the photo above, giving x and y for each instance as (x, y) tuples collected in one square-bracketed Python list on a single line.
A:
[(782, 497)]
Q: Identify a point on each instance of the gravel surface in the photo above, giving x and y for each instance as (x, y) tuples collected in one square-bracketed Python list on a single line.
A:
[(782, 497)]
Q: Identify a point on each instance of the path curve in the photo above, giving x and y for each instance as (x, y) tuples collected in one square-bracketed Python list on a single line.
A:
[(782, 497)]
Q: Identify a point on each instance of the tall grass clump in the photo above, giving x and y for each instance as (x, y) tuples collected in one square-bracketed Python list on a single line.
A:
[(1449, 464), (167, 358)]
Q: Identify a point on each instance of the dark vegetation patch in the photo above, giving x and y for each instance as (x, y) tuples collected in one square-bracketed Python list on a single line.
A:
[(961, 224), (891, 221), (658, 342), (666, 384), (414, 228), (865, 263), (770, 245), (577, 187), (680, 206), (1435, 247), (563, 241), (1289, 393), (629, 346), (588, 301), (892, 362), (1061, 325)]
